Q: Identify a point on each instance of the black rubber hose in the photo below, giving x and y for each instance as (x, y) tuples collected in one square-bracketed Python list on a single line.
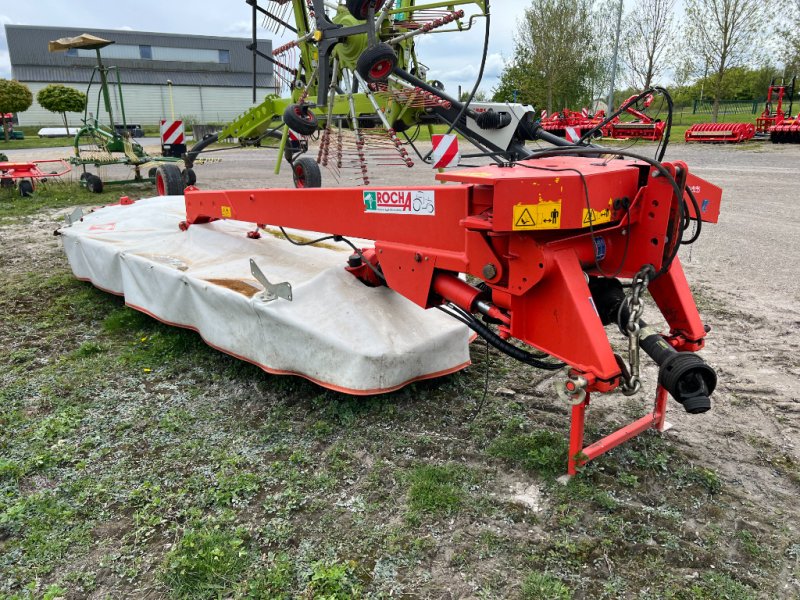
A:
[(495, 340), (198, 148)]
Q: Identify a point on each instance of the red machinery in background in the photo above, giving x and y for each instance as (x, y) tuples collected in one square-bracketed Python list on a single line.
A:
[(643, 127), (570, 124), (549, 237), (720, 132), (26, 173), (781, 126), (771, 117), (773, 121)]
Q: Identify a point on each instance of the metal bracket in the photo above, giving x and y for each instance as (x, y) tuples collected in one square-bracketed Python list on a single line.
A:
[(572, 389), (272, 291), (75, 216)]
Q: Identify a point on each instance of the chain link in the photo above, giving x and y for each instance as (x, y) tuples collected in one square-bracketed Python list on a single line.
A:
[(635, 304)]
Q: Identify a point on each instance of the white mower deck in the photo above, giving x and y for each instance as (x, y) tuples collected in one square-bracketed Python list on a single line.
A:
[(336, 331)]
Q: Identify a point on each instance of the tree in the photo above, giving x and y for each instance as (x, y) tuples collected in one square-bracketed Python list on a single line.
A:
[(480, 96), (725, 34), (14, 98), (791, 43), (553, 43), (649, 35), (61, 99)]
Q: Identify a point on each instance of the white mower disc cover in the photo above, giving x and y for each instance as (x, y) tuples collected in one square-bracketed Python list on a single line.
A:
[(336, 331)]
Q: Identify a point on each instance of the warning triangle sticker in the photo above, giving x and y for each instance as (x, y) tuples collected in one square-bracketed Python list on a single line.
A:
[(525, 219), (589, 217)]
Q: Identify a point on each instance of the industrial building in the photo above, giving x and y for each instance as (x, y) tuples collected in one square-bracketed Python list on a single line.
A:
[(211, 77)]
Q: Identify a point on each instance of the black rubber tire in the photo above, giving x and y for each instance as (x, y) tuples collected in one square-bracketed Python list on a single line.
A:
[(169, 181), (94, 184), (84, 175), (306, 173), (376, 63), (151, 173), (6, 182), (25, 188), (299, 118), (435, 83), (358, 8), (3, 157), (189, 177)]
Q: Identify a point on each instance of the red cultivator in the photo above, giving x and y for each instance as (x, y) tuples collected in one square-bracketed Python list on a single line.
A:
[(787, 132), (720, 132)]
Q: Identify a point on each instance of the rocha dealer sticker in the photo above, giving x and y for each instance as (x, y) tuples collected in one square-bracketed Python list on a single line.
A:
[(404, 202)]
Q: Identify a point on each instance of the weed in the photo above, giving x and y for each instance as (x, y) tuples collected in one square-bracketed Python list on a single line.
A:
[(541, 586), (274, 582), (749, 544), (333, 581), (706, 478), (206, 563), (718, 586)]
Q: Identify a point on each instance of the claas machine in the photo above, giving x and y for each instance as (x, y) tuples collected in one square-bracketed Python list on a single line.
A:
[(355, 80)]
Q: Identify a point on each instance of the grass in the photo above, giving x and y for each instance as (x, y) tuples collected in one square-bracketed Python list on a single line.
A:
[(56, 194), (541, 586), (436, 490), (543, 452), (34, 141)]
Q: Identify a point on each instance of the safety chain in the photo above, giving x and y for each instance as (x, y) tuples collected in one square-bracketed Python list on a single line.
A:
[(631, 382)]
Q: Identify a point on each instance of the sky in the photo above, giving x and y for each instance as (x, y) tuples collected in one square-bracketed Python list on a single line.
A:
[(452, 58)]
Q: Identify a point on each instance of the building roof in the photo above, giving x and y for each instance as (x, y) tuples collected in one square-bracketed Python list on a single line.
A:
[(30, 60)]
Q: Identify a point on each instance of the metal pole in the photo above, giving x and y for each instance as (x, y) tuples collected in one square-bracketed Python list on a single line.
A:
[(255, 48), (614, 59), (104, 87), (171, 104)]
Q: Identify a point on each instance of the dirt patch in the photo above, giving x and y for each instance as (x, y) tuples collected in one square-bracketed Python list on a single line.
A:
[(241, 287)]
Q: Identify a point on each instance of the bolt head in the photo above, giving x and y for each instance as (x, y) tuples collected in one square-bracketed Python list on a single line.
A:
[(489, 271)]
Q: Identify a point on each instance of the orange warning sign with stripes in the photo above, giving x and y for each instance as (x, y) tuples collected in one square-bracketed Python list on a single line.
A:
[(171, 132), (445, 150)]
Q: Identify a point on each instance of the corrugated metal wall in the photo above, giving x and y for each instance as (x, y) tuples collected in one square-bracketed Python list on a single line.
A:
[(147, 104)]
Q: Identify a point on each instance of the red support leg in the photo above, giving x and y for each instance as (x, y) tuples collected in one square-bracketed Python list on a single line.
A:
[(576, 436), (579, 456), (660, 411)]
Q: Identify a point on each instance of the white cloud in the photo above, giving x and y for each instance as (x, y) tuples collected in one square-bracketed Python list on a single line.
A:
[(240, 28)]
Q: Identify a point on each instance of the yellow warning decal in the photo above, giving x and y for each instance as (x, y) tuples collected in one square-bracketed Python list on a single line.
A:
[(226, 211), (476, 173), (595, 217), (545, 215)]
